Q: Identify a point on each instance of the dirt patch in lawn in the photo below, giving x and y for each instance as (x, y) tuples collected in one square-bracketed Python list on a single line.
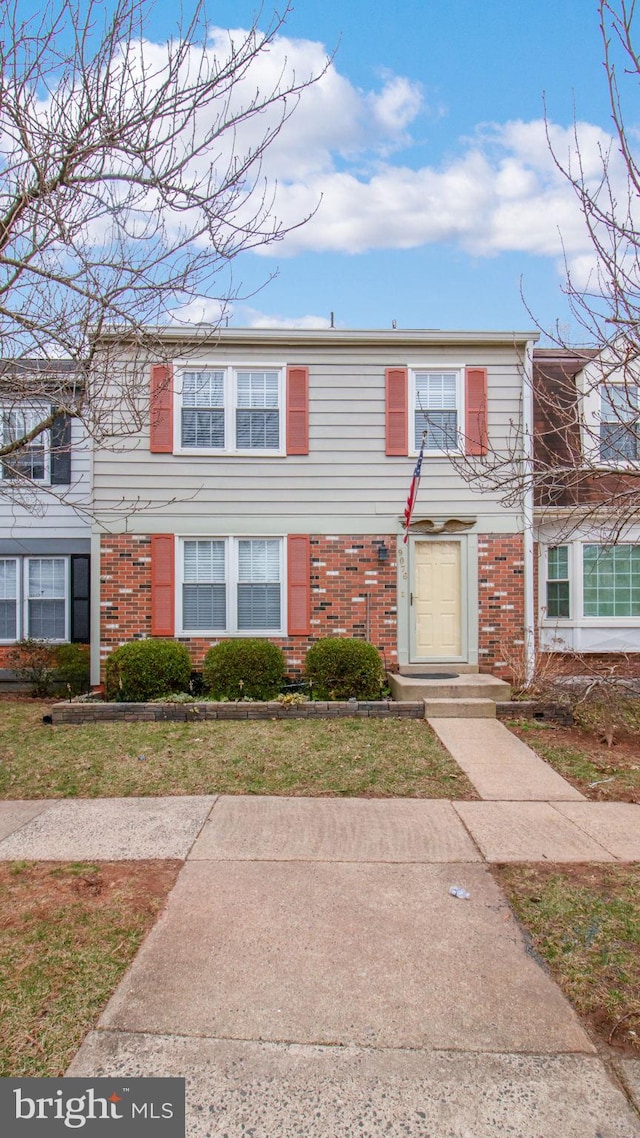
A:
[(604, 774), (67, 933), (584, 922)]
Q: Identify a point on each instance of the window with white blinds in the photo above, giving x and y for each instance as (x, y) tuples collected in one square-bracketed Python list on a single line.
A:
[(232, 585), (259, 585), (46, 597), (436, 410), (204, 590), (203, 410), (8, 599), (34, 598), (231, 409)]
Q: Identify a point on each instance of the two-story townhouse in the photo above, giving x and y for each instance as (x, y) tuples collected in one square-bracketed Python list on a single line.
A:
[(45, 534), (587, 450), (276, 467)]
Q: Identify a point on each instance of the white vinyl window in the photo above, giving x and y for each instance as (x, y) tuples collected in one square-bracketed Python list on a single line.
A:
[(232, 410), (436, 410), (8, 599), (232, 585), (32, 460), (619, 423), (34, 598)]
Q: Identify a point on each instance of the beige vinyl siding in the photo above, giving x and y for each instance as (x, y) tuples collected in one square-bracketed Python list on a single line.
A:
[(345, 478)]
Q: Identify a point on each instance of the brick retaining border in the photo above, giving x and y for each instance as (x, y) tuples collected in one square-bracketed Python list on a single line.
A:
[(195, 712)]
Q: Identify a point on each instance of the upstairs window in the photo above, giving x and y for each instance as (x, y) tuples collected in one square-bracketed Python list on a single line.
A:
[(437, 410), (232, 410), (619, 423), (30, 461), (558, 597), (202, 424)]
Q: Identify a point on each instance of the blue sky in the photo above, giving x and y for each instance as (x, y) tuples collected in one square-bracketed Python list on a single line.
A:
[(425, 147), (476, 64)]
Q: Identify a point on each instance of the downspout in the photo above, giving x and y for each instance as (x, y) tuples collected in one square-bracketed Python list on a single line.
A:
[(527, 512)]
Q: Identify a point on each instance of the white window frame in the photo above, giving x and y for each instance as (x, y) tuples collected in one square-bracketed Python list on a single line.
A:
[(590, 387), (32, 414), (22, 597), (230, 370), (437, 369), (576, 589), (231, 582)]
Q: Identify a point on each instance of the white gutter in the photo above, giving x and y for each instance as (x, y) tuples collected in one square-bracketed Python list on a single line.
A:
[(527, 512)]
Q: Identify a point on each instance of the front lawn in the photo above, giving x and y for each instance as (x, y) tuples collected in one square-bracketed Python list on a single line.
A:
[(602, 773), (67, 933), (584, 921), (348, 757)]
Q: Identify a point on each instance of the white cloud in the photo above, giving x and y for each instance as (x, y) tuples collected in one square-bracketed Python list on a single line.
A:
[(251, 318)]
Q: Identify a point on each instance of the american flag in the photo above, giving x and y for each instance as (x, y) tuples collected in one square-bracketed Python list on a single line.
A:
[(413, 492)]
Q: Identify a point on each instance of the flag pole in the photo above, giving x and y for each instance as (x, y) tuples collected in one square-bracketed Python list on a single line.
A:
[(413, 489)]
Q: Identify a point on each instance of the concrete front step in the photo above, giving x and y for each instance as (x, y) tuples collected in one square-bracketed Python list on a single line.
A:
[(422, 669), (464, 687), (460, 708)]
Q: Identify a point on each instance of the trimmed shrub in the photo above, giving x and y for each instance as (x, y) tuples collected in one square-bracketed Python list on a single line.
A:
[(340, 668), (146, 669), (34, 661), (249, 669), (72, 668)]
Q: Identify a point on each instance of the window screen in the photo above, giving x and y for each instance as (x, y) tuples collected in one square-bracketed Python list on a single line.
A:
[(436, 411), (257, 412), (619, 426), (204, 591), (8, 600), (558, 598), (46, 598), (259, 584), (203, 410)]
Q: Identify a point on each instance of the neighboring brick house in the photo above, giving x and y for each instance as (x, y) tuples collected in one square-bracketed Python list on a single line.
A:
[(45, 537), (276, 467), (587, 507)]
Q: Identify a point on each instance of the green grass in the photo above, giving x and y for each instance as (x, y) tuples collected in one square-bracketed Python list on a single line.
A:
[(585, 922), (362, 757), (67, 933)]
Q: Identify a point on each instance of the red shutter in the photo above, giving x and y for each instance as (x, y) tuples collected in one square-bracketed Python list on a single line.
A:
[(161, 409), (299, 584), (297, 410), (396, 410), (162, 584), (476, 436)]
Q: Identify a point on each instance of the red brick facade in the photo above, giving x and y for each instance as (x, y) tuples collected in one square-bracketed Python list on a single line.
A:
[(353, 593), (500, 599)]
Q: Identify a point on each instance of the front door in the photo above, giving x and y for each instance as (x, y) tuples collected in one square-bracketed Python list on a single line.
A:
[(437, 600)]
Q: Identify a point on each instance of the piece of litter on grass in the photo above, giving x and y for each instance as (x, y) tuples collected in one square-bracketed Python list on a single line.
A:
[(458, 891), (142, 758), (601, 781)]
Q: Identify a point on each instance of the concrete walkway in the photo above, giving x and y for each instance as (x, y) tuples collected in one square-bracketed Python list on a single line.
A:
[(312, 976)]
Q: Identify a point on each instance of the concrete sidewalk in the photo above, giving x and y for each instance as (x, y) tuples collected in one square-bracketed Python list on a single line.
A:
[(311, 974)]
